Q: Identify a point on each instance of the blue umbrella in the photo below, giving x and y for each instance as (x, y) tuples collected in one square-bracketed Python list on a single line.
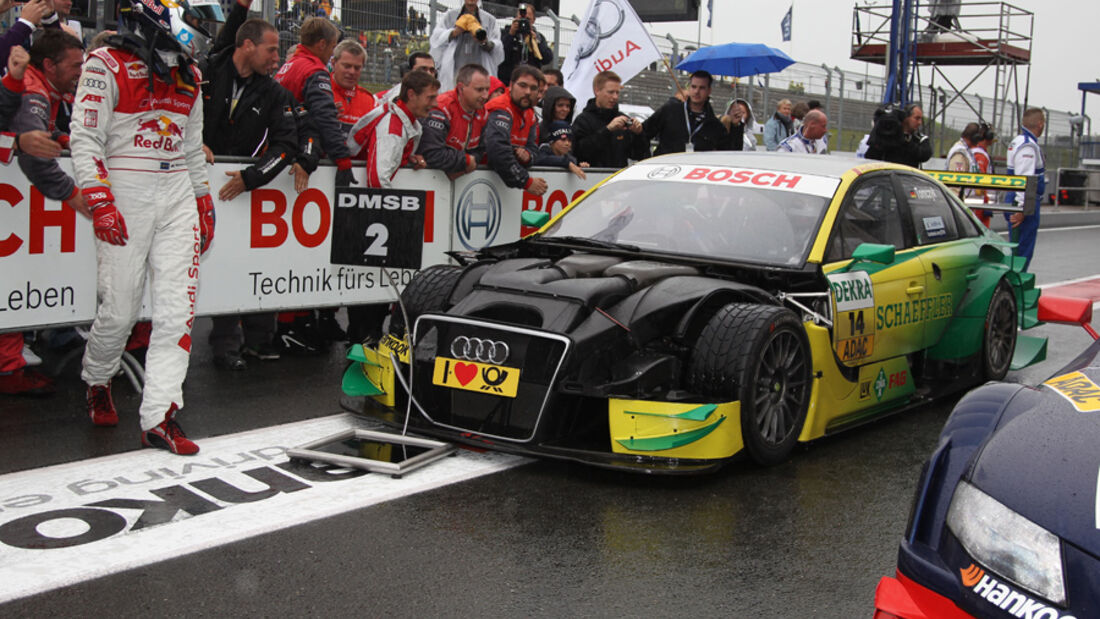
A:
[(737, 59)]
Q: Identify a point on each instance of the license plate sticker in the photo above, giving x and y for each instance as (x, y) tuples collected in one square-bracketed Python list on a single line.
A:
[(479, 377)]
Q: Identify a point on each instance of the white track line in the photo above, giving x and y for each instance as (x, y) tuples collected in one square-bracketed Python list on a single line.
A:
[(33, 496), (1067, 282)]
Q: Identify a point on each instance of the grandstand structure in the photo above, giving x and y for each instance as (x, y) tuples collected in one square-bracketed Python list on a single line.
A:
[(983, 37)]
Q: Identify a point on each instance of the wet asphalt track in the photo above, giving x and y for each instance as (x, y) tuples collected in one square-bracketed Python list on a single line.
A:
[(807, 538)]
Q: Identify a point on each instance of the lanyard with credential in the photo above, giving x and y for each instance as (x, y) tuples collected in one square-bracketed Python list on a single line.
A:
[(237, 90), (690, 146)]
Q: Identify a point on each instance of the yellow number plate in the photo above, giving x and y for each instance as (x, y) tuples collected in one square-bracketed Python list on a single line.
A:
[(480, 377)]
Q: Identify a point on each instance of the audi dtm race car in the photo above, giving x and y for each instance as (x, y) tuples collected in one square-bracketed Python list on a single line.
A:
[(1006, 521), (696, 306)]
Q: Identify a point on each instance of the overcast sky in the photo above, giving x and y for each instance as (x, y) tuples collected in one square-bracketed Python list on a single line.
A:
[(1065, 45)]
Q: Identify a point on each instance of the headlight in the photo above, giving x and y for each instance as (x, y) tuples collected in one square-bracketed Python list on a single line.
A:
[(1007, 543)]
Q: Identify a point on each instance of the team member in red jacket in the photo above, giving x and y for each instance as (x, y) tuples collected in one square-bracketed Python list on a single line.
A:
[(509, 134), (452, 131), (305, 76), (391, 132), (352, 100), (50, 80)]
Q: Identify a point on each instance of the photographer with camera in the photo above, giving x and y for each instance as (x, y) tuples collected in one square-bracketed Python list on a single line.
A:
[(466, 35), (604, 136), (523, 44), (896, 136)]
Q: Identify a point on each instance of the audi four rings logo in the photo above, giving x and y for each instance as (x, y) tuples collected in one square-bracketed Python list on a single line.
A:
[(91, 82), (477, 349)]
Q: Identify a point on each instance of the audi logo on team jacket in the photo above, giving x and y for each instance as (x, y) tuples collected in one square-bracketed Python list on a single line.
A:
[(478, 349)]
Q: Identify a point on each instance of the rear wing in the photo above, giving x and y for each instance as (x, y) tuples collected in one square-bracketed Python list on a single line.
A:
[(995, 183)]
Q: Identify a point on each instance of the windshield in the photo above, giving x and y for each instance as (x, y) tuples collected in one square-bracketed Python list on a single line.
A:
[(722, 219)]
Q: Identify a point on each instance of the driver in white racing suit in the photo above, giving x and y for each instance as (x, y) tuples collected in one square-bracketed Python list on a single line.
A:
[(137, 151)]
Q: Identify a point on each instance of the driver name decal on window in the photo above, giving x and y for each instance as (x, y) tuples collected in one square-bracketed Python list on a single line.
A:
[(777, 180), (934, 227)]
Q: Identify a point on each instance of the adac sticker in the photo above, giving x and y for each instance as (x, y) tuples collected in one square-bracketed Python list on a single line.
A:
[(852, 291), (1079, 389)]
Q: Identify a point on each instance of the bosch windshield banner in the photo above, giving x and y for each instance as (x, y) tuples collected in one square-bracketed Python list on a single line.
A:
[(380, 227)]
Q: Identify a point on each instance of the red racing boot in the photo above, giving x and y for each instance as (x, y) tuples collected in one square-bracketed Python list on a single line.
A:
[(169, 435), (101, 406), (26, 381)]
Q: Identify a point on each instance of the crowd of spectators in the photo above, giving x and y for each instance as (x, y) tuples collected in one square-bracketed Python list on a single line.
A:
[(486, 94)]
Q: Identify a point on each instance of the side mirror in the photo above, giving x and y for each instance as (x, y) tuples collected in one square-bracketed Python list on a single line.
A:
[(1067, 310), (534, 219), (874, 252)]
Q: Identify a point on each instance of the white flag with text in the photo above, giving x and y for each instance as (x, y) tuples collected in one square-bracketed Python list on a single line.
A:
[(611, 38)]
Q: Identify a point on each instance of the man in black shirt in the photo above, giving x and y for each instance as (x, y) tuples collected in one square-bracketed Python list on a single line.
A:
[(897, 136), (246, 113), (604, 136), (691, 125)]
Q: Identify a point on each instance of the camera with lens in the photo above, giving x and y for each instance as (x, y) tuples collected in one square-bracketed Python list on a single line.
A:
[(524, 24), (481, 35)]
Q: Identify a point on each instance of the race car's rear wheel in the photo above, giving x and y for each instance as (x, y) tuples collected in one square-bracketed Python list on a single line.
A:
[(757, 354), (429, 291), (999, 340)]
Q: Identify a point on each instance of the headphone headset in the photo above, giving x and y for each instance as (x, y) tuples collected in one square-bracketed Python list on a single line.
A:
[(985, 132)]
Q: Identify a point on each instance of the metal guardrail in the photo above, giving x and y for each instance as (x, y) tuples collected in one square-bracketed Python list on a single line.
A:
[(1086, 189)]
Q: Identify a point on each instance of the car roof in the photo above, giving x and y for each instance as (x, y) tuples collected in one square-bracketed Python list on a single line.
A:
[(829, 165)]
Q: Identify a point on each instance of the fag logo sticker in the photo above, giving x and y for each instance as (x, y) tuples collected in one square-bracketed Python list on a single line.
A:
[(880, 384), (852, 291), (91, 118), (1079, 389)]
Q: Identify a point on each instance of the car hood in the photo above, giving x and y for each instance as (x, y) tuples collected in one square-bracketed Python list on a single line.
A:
[(1044, 460)]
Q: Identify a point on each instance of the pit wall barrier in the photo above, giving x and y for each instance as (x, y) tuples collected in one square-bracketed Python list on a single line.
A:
[(272, 245)]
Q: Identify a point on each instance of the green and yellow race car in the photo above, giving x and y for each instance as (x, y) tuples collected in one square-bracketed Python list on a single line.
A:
[(697, 306)]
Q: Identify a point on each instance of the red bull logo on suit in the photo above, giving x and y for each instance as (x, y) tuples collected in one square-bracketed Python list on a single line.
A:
[(171, 136)]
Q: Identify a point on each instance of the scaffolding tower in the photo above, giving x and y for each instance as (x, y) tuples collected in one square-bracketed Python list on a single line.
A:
[(913, 44)]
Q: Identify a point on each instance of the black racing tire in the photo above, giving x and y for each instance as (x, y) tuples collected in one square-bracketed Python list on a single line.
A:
[(999, 335), (757, 354), (429, 291)]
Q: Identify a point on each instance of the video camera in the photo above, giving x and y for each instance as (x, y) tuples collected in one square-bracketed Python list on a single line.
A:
[(889, 122)]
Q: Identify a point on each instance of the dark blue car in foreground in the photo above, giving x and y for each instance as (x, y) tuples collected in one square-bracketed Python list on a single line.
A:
[(1006, 519)]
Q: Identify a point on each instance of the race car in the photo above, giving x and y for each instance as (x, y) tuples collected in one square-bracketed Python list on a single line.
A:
[(1006, 520), (697, 306)]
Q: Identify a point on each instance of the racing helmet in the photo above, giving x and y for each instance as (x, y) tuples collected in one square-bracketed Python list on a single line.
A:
[(178, 23)]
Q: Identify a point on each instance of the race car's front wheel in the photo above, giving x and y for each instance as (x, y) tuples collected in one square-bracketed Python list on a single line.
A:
[(759, 355), (999, 339), (429, 291)]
